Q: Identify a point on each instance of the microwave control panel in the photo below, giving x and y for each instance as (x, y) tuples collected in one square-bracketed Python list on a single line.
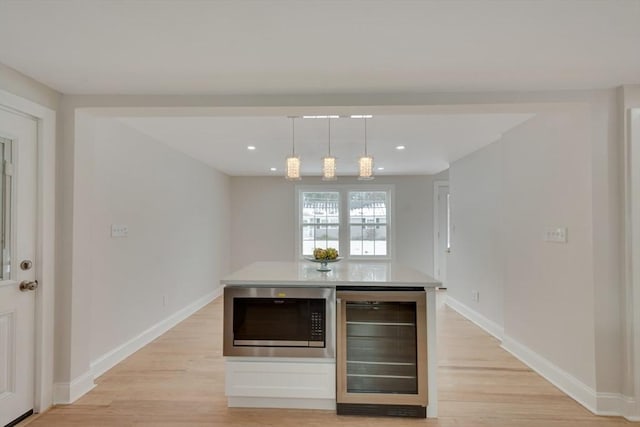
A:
[(317, 326)]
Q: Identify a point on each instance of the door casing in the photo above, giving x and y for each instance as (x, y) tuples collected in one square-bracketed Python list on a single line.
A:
[(437, 262), (45, 246)]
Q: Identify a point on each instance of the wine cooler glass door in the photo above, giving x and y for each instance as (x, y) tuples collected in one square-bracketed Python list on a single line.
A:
[(382, 348)]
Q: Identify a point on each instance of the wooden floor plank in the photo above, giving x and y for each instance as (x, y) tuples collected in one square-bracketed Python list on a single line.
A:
[(178, 381)]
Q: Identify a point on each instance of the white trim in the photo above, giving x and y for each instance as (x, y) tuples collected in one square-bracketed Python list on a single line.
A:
[(633, 206), (616, 404), (610, 403), (437, 185), (631, 164), (65, 393), (566, 382), (491, 327), (432, 355), (279, 402), (108, 360), (45, 250)]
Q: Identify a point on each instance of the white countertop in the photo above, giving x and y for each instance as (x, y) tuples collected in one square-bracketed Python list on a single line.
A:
[(304, 273)]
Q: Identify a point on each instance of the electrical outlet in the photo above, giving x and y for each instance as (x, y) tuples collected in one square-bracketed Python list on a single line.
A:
[(555, 234), (475, 295)]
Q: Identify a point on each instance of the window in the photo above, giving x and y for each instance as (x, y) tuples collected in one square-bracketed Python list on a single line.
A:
[(320, 220), (368, 223), (5, 207), (354, 221)]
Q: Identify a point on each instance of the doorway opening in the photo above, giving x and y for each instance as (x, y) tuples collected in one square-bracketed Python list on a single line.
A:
[(441, 230)]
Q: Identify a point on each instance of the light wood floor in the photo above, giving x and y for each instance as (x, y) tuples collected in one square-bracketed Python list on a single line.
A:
[(178, 380)]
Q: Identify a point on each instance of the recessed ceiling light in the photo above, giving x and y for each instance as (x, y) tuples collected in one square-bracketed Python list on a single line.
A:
[(251, 147), (380, 168), (336, 116), (332, 116), (400, 147), (273, 169)]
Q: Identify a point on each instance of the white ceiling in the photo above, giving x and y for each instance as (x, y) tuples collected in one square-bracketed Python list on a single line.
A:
[(432, 141), (317, 47)]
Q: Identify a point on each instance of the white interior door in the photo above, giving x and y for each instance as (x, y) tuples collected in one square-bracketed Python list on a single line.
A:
[(18, 136), (442, 234)]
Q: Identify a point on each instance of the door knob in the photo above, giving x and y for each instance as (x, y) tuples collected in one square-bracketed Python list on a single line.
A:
[(28, 285)]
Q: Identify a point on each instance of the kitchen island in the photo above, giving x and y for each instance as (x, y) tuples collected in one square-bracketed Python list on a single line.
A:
[(288, 369)]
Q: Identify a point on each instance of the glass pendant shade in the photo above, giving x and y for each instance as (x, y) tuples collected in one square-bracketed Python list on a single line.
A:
[(365, 168), (329, 168), (329, 162), (293, 162), (365, 163), (293, 168)]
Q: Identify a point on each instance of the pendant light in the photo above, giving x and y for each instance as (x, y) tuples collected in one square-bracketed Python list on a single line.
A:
[(293, 161), (329, 162), (365, 163)]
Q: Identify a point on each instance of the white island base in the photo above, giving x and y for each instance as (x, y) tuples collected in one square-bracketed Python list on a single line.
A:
[(310, 383), (280, 383), (297, 383)]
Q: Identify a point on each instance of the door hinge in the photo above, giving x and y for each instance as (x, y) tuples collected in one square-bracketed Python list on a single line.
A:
[(7, 168)]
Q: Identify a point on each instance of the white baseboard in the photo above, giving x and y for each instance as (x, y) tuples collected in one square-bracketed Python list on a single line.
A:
[(118, 354), (606, 404), (610, 403), (566, 382), (64, 393), (489, 326), (616, 404)]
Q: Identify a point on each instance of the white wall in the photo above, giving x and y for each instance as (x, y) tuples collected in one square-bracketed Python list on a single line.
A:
[(476, 261), (561, 301), (608, 242), (21, 85), (263, 218), (177, 213), (442, 176), (549, 287)]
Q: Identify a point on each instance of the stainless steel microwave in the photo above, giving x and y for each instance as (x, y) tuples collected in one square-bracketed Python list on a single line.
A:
[(279, 322)]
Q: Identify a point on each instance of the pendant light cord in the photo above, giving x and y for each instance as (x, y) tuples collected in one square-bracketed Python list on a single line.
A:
[(329, 137), (293, 137), (365, 137)]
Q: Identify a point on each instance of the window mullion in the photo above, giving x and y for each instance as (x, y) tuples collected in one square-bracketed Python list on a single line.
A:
[(344, 232)]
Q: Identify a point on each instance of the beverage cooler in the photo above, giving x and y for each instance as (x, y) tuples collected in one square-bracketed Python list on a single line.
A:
[(381, 352)]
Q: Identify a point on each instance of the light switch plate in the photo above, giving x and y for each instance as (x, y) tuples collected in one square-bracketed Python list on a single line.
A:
[(556, 234), (119, 230)]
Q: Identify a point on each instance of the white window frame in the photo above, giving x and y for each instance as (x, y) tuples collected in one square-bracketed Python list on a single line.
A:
[(344, 233)]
